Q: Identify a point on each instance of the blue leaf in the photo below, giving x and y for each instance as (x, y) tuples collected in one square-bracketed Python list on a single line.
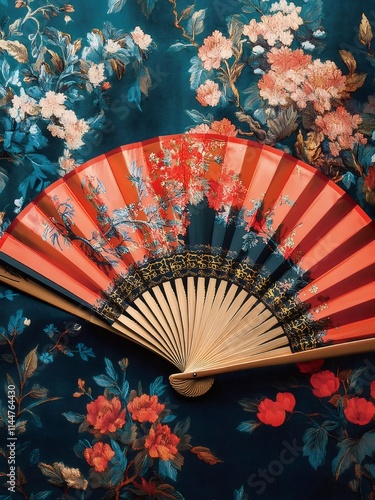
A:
[(134, 95), (110, 370), (177, 47), (315, 444), (312, 13), (75, 418), (254, 100), (80, 447), (195, 25), (357, 380), (371, 469), (119, 461), (36, 418), (239, 494), (115, 6), (4, 2), (41, 164), (348, 179), (198, 74), (198, 117), (34, 457), (10, 295), (166, 470), (16, 323), (41, 495), (346, 456), (103, 380), (84, 351), (125, 388), (366, 446), (169, 418), (147, 6), (157, 388), (249, 426)]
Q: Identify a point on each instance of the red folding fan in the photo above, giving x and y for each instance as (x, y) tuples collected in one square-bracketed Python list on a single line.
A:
[(216, 253)]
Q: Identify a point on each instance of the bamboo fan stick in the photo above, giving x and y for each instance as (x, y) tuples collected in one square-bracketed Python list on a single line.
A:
[(35, 290), (350, 348)]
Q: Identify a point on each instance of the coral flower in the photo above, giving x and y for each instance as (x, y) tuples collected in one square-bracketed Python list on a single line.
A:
[(215, 48), (223, 127), (162, 443), (372, 389), (99, 455), (286, 400), (310, 366), (286, 59), (325, 383), (359, 411), (271, 413), (105, 415), (202, 128), (145, 408), (208, 94)]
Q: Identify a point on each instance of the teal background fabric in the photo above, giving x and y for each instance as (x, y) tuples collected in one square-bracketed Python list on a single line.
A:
[(288, 432)]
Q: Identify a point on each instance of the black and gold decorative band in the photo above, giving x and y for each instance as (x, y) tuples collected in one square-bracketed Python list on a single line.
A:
[(302, 332)]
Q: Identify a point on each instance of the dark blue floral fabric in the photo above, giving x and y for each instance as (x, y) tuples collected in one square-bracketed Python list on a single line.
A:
[(87, 414)]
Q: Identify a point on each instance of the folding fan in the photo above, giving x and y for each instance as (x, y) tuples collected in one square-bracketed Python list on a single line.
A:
[(216, 253)]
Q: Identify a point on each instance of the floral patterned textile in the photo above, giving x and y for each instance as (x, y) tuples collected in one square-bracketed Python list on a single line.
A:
[(86, 414)]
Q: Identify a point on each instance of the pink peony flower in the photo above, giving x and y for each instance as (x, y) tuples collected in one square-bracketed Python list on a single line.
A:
[(208, 94), (215, 48), (223, 127), (339, 126)]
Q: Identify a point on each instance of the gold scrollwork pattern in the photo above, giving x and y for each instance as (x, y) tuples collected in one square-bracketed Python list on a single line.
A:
[(302, 332)]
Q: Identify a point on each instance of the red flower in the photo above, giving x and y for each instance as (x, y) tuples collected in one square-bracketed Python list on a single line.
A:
[(149, 487), (162, 443), (105, 86), (105, 415), (271, 413), (274, 412), (99, 455), (359, 411), (145, 408), (372, 389), (325, 383), (286, 400), (310, 366), (370, 178)]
